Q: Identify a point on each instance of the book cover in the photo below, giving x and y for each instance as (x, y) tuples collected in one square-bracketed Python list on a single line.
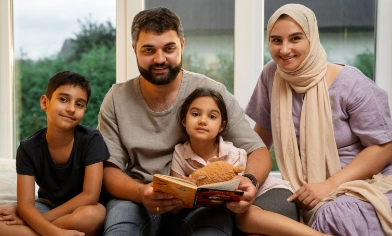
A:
[(216, 197), (216, 194)]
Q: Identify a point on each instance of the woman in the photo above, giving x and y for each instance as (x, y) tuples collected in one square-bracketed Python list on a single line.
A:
[(330, 126)]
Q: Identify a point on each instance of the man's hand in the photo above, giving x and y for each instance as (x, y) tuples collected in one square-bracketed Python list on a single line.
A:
[(246, 199), (10, 217), (157, 202), (309, 195)]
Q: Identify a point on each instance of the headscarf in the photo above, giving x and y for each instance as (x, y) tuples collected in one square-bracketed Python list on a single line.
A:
[(317, 158)]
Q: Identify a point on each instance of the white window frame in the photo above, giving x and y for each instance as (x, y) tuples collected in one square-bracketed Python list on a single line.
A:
[(7, 120), (248, 55)]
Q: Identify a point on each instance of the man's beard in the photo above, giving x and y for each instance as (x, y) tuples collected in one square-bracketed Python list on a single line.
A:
[(161, 79)]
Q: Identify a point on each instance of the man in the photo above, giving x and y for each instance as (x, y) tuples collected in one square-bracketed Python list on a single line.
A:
[(138, 120)]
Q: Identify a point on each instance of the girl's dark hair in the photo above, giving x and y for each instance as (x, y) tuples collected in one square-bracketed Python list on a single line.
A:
[(202, 92), (68, 78)]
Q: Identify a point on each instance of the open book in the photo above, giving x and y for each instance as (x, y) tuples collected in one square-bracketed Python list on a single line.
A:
[(216, 194)]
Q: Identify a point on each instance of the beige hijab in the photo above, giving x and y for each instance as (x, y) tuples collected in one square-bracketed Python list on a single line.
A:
[(317, 158)]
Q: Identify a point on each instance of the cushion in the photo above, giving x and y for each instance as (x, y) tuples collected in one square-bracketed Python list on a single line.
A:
[(8, 181)]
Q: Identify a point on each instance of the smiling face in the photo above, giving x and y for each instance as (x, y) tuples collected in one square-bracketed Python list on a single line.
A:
[(159, 56), (66, 108), (203, 121), (288, 44)]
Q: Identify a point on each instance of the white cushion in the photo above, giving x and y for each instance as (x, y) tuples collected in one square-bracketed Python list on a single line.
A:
[(8, 181)]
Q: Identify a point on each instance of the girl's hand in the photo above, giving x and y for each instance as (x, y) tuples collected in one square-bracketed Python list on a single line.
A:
[(10, 217), (186, 178), (309, 195)]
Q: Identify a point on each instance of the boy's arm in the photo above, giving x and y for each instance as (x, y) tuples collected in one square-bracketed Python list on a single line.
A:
[(92, 184), (26, 206)]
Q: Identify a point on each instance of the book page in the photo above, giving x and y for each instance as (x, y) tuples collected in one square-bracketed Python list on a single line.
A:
[(175, 179), (226, 185)]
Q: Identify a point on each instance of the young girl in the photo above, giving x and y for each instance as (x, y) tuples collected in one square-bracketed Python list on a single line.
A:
[(204, 116)]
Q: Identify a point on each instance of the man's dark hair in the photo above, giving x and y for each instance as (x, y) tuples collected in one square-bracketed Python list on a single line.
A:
[(158, 20), (68, 78)]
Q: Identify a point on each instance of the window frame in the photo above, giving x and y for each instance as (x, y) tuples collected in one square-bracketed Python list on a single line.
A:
[(8, 121), (248, 44)]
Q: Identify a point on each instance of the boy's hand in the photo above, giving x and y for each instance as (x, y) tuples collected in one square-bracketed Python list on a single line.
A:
[(10, 217)]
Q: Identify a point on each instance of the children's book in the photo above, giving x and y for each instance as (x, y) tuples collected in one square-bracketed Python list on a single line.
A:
[(217, 194)]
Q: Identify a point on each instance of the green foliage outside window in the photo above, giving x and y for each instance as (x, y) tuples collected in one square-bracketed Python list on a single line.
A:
[(222, 70), (365, 63), (91, 54)]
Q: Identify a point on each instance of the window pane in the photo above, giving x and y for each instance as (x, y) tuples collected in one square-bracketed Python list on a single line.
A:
[(55, 35), (209, 36), (346, 31)]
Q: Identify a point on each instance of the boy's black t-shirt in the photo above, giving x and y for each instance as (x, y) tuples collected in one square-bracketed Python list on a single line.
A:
[(60, 183)]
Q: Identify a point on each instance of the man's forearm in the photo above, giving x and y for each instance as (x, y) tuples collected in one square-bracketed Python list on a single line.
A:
[(120, 185), (259, 164)]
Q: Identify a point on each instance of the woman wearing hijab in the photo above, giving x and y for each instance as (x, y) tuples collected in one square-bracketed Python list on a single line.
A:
[(331, 129)]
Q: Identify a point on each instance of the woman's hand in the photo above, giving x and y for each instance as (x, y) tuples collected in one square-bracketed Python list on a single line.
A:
[(309, 195), (367, 163)]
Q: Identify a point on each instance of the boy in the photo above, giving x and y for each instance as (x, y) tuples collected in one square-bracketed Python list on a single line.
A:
[(65, 159)]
